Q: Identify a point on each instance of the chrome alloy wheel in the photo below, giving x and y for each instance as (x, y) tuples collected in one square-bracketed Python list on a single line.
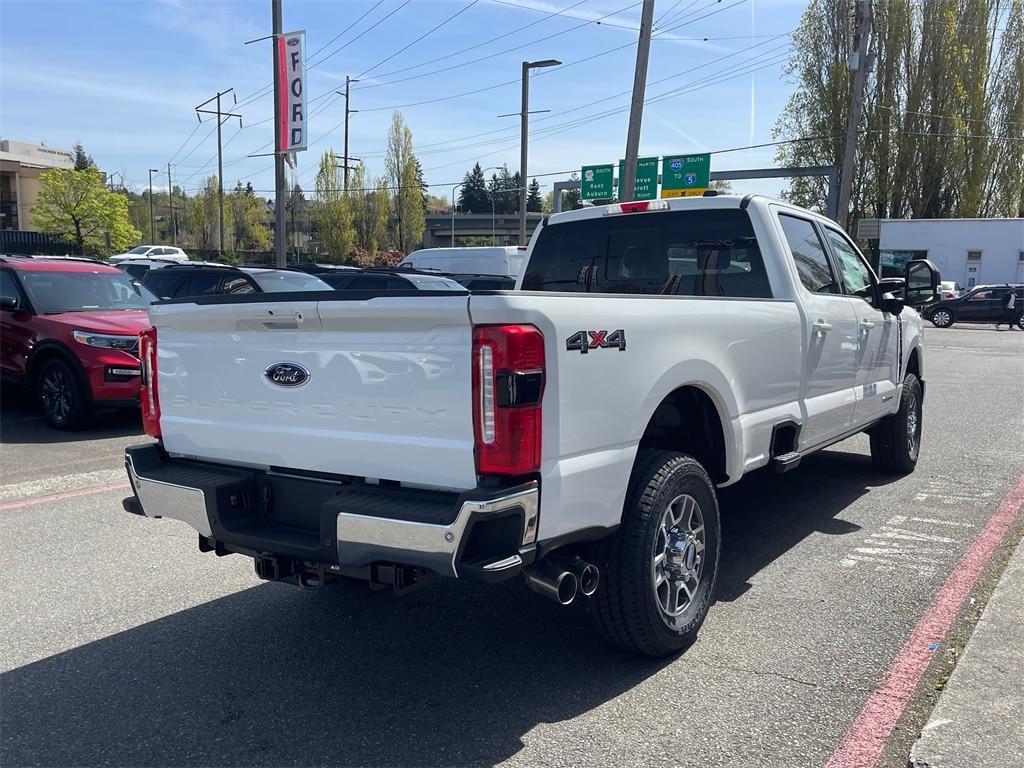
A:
[(677, 561), (913, 426)]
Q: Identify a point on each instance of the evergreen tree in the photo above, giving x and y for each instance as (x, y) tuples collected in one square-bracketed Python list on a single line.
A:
[(533, 199), (473, 197), (82, 160)]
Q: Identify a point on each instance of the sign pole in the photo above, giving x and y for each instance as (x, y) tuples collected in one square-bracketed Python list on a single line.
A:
[(280, 184)]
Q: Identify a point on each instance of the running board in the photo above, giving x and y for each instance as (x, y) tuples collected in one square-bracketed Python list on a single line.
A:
[(786, 462)]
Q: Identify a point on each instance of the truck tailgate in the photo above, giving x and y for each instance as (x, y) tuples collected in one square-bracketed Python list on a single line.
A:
[(388, 393)]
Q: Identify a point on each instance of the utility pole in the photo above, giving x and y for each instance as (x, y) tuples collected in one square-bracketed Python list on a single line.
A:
[(170, 199), (859, 64), (348, 81), (152, 218), (636, 109), (524, 134), (221, 116), (280, 183)]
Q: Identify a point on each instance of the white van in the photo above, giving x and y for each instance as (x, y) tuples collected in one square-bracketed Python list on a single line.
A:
[(487, 260)]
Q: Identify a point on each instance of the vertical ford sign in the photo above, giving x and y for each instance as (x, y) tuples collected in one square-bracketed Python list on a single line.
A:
[(292, 94)]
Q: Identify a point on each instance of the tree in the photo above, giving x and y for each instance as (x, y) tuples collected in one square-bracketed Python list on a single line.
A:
[(249, 230), (400, 165), (82, 160), (370, 213), (722, 186), (76, 206), (533, 199), (297, 209), (940, 134), (473, 197), (202, 220), (331, 213)]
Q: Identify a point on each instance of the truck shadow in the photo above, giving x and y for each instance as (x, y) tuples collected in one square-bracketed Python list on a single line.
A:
[(766, 514), (454, 675)]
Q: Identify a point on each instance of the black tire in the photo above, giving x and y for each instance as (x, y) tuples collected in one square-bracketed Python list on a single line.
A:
[(892, 449), (61, 395), (1020, 322), (627, 607), (942, 318)]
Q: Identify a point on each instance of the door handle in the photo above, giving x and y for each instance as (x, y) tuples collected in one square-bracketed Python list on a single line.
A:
[(867, 325), (821, 327)]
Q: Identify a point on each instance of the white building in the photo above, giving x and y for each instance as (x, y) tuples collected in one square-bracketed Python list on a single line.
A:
[(968, 251), (21, 165)]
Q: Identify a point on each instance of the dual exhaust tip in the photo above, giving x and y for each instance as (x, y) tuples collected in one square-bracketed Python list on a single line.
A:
[(562, 579)]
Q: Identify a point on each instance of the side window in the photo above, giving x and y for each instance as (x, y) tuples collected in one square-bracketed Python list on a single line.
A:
[(161, 282), (982, 296), (138, 271), (809, 254), (202, 284), (400, 284), (238, 285), (8, 288), (368, 283), (856, 275)]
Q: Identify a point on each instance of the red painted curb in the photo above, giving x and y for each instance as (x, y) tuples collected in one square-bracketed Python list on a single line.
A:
[(864, 741)]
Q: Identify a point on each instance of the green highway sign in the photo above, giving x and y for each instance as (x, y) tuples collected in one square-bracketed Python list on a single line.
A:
[(685, 175), (646, 186), (597, 182)]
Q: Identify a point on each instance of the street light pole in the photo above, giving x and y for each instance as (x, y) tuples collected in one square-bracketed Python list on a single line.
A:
[(152, 218), (524, 123)]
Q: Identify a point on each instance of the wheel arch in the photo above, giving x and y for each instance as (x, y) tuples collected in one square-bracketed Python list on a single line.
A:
[(689, 419), (48, 350)]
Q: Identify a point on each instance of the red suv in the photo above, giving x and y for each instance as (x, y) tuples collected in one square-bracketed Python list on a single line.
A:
[(69, 330)]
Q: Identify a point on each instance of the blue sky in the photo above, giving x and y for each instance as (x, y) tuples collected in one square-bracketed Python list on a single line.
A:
[(123, 78)]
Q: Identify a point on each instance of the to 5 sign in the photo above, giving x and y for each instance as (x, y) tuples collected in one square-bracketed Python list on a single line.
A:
[(584, 341)]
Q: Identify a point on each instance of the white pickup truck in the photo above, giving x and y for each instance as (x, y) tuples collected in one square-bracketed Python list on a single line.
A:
[(573, 430)]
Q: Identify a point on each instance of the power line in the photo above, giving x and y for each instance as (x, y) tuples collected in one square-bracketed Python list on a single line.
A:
[(370, 28), (501, 53), (478, 45), (373, 8), (422, 37), (186, 141)]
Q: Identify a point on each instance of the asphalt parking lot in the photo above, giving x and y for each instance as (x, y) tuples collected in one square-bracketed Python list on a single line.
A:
[(122, 644)]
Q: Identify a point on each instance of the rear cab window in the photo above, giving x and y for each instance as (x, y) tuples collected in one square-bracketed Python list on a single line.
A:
[(678, 253)]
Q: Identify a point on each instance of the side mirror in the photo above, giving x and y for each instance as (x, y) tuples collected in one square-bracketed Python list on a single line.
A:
[(9, 303), (922, 282), (892, 304)]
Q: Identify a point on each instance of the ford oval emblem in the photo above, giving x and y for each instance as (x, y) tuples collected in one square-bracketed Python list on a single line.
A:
[(287, 374)]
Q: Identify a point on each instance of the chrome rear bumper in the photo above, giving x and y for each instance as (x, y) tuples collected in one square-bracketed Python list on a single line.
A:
[(483, 533)]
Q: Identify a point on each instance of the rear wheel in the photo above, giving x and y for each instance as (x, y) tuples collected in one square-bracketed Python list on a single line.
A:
[(658, 570), (61, 395), (896, 440), (942, 318)]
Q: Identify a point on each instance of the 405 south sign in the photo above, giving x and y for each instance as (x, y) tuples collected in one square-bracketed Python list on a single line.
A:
[(291, 62)]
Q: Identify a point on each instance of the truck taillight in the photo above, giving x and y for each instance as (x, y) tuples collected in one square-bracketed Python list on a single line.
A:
[(149, 396), (508, 383)]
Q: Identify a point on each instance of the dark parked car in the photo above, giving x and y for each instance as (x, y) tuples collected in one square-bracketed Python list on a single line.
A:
[(70, 333), (983, 304), (184, 280), (389, 280)]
